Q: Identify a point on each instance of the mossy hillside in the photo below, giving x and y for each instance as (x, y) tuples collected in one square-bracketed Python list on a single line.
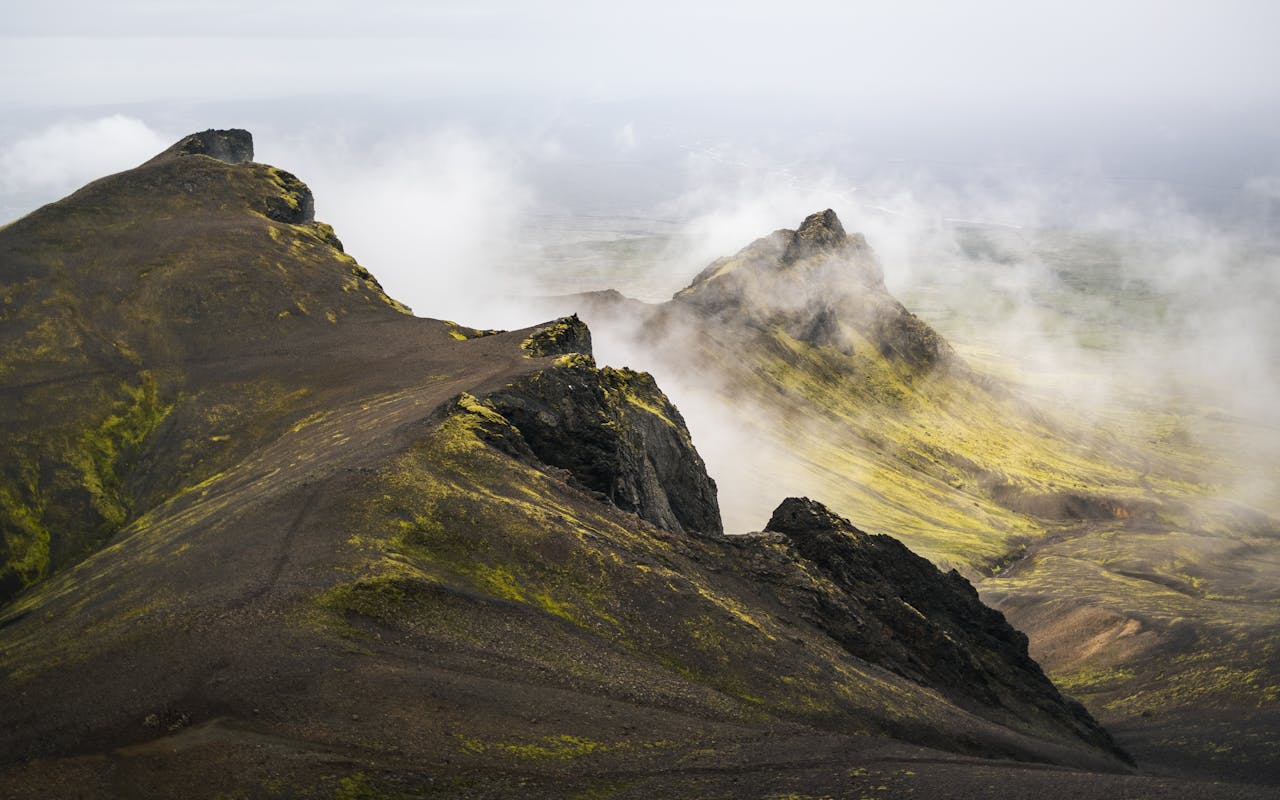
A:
[(188, 239), (922, 454), (456, 518), (147, 273), (965, 473), (193, 551), (73, 480)]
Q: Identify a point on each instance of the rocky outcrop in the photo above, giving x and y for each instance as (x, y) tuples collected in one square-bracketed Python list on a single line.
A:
[(291, 200), (890, 607), (822, 286), (293, 203), (822, 235), (614, 431), (563, 336), (233, 146)]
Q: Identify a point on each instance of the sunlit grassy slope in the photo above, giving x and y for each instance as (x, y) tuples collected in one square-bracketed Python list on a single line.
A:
[(1110, 505)]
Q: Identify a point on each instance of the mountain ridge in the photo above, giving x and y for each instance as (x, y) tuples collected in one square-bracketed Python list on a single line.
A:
[(355, 548)]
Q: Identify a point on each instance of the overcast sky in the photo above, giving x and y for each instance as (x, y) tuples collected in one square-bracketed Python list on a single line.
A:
[(471, 110), (1160, 54), (1156, 82)]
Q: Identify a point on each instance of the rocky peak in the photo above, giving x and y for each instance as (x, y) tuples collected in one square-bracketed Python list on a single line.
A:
[(800, 516), (822, 286), (561, 337), (613, 430), (287, 199), (819, 233), (893, 608), (233, 146)]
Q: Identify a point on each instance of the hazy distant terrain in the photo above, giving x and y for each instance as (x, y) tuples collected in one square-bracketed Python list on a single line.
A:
[(1142, 335), (1154, 365)]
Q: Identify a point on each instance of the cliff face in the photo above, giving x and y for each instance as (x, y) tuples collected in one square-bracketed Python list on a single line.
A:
[(615, 432), (894, 608)]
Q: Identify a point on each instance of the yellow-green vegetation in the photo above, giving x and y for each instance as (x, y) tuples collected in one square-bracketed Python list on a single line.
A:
[(576, 361), (355, 787), (963, 473), (559, 747), (108, 449), (1091, 679), (92, 461), (289, 190), (558, 337), (634, 388), (462, 333), (26, 538), (461, 542), (1199, 680)]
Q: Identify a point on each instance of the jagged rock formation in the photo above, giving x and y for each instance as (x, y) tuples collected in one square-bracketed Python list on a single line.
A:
[(893, 608), (614, 430), (823, 286), (562, 337), (232, 146)]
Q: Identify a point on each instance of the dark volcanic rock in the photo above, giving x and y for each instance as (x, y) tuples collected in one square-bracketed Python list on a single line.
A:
[(614, 430), (294, 203), (895, 609), (819, 233), (232, 146), (565, 335)]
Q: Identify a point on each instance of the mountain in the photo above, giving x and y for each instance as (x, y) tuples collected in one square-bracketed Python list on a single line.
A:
[(268, 534), (1141, 587), (820, 286)]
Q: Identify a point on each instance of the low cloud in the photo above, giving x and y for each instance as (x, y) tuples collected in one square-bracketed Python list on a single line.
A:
[(64, 156), (435, 215), (1094, 295)]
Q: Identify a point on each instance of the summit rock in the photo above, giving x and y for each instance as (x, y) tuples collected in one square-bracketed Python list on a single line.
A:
[(820, 232), (823, 286), (233, 146)]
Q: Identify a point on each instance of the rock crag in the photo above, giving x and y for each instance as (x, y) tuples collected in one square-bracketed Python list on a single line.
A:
[(893, 608), (820, 284)]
